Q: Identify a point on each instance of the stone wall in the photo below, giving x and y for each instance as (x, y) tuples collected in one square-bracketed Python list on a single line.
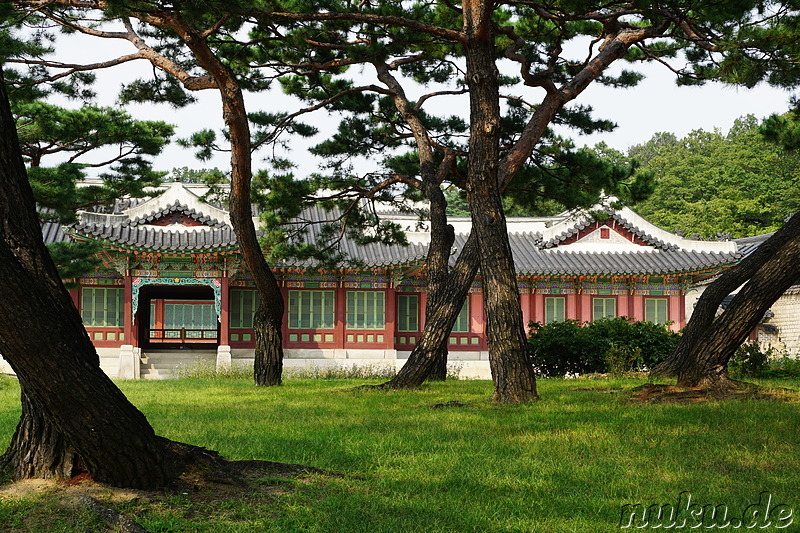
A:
[(786, 320)]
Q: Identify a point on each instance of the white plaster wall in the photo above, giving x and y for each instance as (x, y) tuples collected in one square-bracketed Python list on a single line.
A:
[(469, 365), (692, 295)]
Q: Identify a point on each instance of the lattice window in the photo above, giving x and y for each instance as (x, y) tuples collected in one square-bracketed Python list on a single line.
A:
[(366, 310), (311, 309), (554, 309), (407, 312), (102, 306), (243, 305)]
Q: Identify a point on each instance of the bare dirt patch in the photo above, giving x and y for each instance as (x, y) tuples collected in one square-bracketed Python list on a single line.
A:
[(198, 492)]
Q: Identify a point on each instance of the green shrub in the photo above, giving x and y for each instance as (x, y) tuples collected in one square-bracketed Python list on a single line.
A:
[(573, 347), (783, 368), (655, 340), (622, 359), (563, 348), (749, 361)]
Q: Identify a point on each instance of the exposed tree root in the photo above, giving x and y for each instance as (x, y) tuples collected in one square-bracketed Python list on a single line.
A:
[(203, 466), (207, 480), (115, 520), (732, 389), (451, 403)]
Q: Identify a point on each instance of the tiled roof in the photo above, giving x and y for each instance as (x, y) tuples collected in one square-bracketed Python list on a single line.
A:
[(748, 245), (175, 208), (53, 232), (530, 259), (536, 252), (160, 239), (371, 255), (586, 221)]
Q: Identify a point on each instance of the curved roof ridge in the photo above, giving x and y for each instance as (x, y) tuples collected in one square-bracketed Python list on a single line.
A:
[(176, 207)]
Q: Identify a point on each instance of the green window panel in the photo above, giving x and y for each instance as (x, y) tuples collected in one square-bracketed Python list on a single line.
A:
[(366, 310), (102, 306), (554, 309), (189, 316), (407, 312), (604, 308), (462, 321), (656, 310), (311, 309), (243, 305)]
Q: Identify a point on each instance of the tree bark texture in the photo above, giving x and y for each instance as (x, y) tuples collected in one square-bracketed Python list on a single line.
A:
[(38, 449), (268, 320), (69, 401), (439, 321), (439, 251), (702, 355), (512, 372)]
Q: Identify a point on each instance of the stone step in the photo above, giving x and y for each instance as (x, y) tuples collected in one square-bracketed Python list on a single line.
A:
[(162, 364), (154, 374)]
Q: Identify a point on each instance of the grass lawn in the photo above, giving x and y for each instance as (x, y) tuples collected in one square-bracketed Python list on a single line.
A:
[(566, 463)]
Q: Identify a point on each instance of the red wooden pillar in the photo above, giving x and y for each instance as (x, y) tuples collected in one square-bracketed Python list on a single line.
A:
[(390, 311), (572, 307), (127, 315), (585, 308), (525, 303), (538, 308), (638, 306), (224, 310), (76, 297), (675, 307), (341, 317), (477, 317), (622, 306)]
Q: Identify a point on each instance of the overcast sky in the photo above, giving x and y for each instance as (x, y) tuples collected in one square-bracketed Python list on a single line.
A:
[(655, 105)]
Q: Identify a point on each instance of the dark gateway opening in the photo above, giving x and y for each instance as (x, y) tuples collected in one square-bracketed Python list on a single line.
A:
[(177, 317)]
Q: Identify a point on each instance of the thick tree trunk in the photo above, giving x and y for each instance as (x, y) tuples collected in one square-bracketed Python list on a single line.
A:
[(268, 365), (69, 402), (38, 449), (701, 358), (439, 249), (513, 375), (268, 320)]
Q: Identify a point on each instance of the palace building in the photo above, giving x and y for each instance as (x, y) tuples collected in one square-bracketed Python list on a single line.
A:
[(172, 289)]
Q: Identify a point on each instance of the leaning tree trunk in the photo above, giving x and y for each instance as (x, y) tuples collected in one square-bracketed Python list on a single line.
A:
[(513, 375), (701, 357), (69, 403), (268, 320), (429, 358), (440, 292), (439, 321)]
